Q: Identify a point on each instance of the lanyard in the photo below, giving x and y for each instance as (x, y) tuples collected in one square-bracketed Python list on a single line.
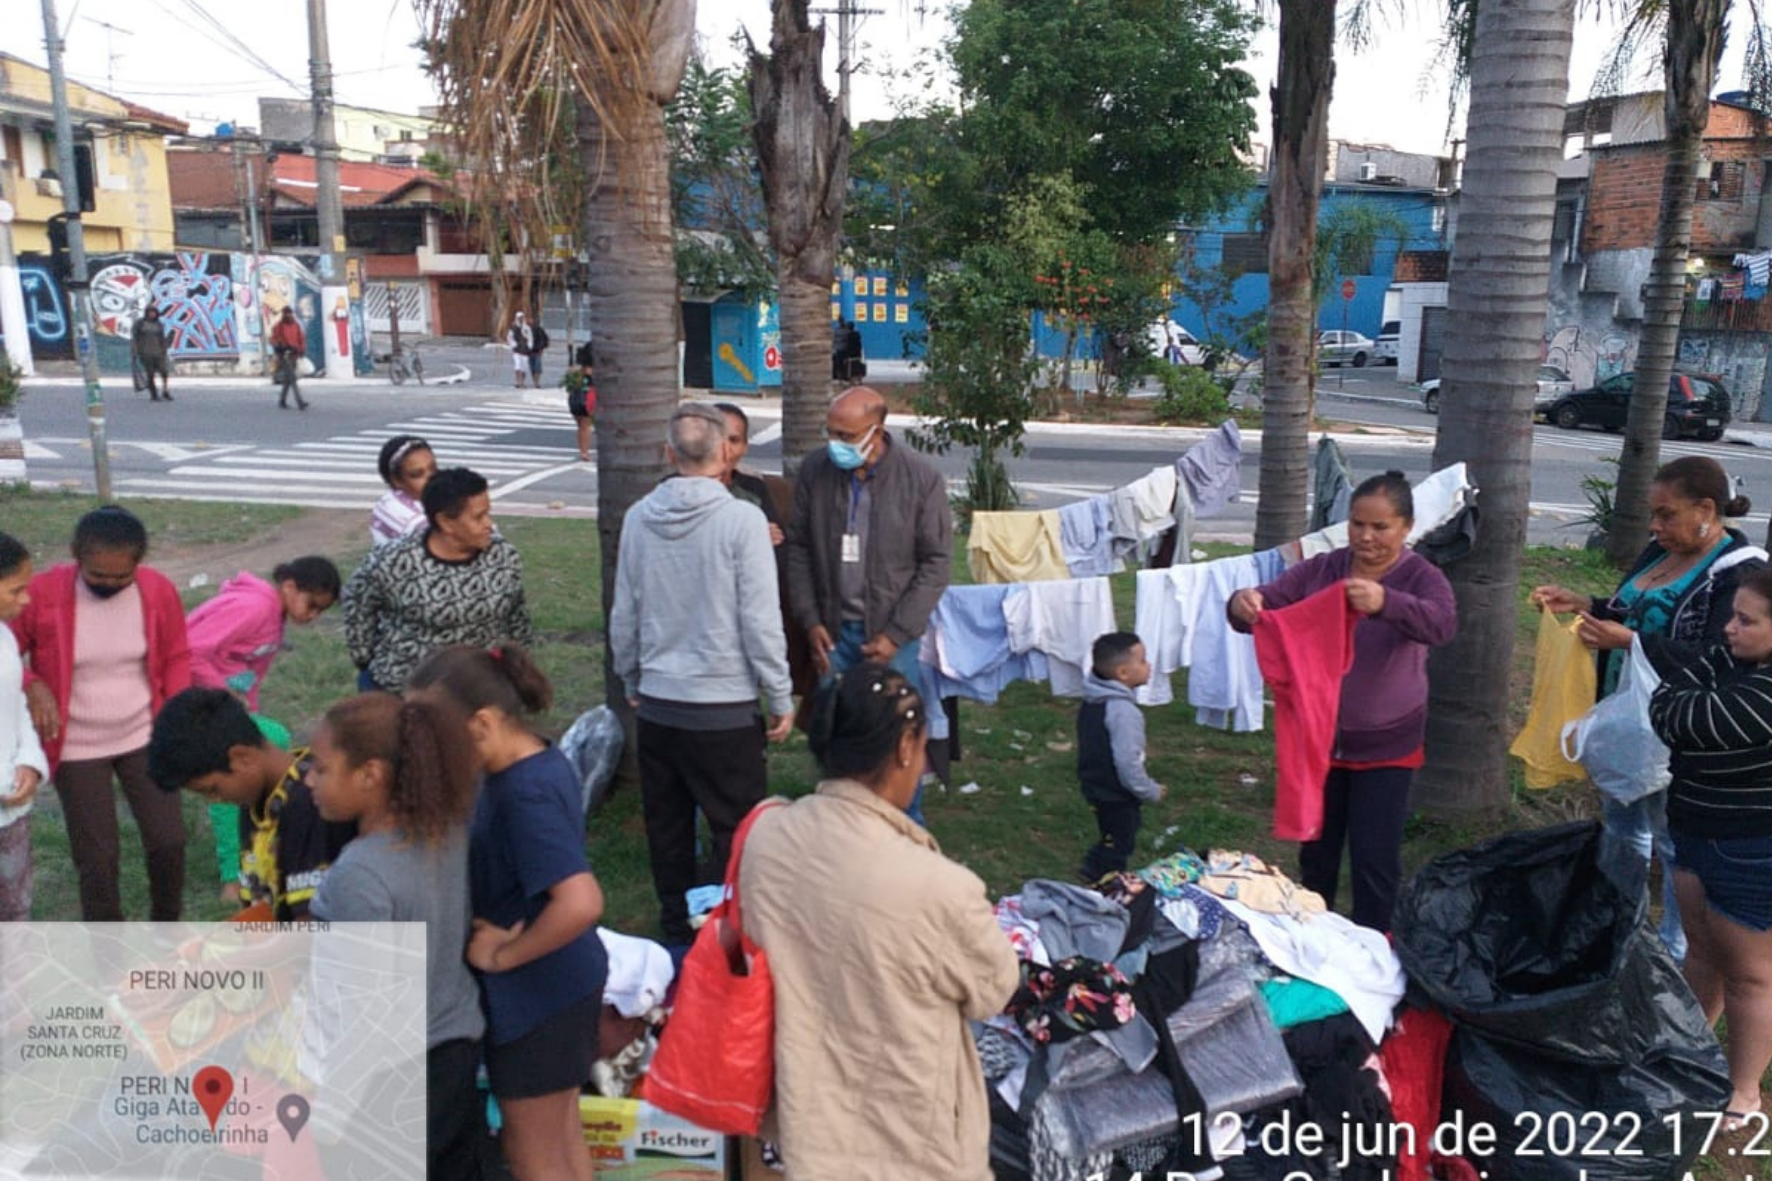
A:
[(855, 490)]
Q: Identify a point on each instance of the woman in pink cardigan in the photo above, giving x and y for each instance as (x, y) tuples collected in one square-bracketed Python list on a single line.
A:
[(104, 638)]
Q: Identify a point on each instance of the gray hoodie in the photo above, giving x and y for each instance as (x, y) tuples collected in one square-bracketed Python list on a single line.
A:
[(1125, 730), (697, 614)]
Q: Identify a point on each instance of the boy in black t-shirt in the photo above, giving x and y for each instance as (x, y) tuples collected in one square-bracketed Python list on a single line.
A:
[(204, 741)]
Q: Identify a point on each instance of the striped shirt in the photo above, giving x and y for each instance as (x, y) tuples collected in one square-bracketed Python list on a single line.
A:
[(1715, 715)]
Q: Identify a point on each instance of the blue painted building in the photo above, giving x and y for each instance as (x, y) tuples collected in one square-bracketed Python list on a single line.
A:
[(1237, 242)]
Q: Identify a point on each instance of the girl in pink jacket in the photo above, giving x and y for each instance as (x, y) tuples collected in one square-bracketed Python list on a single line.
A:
[(234, 638)]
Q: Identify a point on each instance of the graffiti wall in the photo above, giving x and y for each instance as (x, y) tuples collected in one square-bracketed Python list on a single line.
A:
[(49, 318), (266, 284), (193, 290), (1740, 359), (216, 307)]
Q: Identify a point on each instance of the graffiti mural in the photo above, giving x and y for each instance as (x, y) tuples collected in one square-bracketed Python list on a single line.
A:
[(262, 291), (1590, 357), (48, 320), (193, 290)]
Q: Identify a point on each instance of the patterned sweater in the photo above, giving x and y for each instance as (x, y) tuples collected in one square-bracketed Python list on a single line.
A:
[(1715, 714), (404, 603)]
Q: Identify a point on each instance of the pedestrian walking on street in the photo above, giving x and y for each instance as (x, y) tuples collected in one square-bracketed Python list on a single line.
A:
[(288, 343), (147, 340), (521, 339)]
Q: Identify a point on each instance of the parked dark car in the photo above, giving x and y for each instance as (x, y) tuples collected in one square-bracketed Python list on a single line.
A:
[(1697, 405)]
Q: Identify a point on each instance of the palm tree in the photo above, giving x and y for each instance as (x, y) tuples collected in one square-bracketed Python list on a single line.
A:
[(1692, 47), (803, 148), (1500, 280), (1306, 76), (619, 62)]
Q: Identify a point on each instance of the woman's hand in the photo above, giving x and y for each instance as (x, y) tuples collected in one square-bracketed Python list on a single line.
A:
[(1603, 635), (1561, 601), (1246, 606), (1365, 596), (24, 785), (44, 715), (487, 941)]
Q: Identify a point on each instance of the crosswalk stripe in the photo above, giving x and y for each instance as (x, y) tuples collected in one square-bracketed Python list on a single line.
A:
[(509, 450), (343, 464)]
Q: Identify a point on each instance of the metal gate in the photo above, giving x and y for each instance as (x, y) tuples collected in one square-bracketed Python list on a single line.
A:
[(414, 303), (464, 308), (1433, 343)]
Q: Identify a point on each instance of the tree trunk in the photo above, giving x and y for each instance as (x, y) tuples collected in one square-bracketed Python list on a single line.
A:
[(1301, 146), (803, 153), (632, 296), (1500, 280), (1694, 44)]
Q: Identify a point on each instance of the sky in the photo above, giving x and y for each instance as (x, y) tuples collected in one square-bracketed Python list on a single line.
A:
[(208, 61)]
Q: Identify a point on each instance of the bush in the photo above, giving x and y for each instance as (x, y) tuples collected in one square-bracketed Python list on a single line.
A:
[(1190, 396)]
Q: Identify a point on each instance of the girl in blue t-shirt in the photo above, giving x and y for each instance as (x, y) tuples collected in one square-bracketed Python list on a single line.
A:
[(536, 906)]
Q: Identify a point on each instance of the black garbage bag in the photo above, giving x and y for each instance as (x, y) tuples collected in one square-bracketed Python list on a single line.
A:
[(1560, 1121), (1525, 940)]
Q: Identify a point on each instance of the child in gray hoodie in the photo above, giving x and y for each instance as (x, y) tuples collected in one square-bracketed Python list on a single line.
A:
[(1110, 751)]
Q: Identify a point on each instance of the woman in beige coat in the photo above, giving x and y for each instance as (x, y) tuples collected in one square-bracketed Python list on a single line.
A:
[(882, 950)]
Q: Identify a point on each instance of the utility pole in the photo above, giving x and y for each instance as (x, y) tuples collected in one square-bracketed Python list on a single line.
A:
[(847, 13), (78, 288), (328, 212), (255, 242)]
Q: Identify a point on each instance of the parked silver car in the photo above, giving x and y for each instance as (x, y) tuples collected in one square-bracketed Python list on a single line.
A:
[(1341, 347), (1553, 383), (1384, 346)]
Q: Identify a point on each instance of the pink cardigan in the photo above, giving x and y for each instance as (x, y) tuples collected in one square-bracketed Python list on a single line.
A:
[(45, 632), (239, 631)]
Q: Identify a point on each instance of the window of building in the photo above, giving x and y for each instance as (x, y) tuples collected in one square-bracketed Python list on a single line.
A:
[(1723, 181)]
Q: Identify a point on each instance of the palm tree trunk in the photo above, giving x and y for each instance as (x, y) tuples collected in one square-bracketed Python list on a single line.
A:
[(1694, 44), (1500, 280), (633, 307), (1301, 147), (803, 151)]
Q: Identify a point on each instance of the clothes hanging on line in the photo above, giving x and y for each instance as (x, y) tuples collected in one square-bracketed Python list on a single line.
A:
[(1086, 537), (1333, 487), (1224, 682), (1438, 498), (1211, 470), (1015, 547), (1060, 621)]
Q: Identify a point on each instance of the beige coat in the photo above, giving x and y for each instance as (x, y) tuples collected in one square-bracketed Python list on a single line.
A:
[(881, 950)]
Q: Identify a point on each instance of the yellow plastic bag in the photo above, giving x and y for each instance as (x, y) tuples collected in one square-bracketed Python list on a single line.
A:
[(1563, 688)]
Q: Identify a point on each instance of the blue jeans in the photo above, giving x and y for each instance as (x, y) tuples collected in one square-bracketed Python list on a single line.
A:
[(847, 654), (1641, 828)]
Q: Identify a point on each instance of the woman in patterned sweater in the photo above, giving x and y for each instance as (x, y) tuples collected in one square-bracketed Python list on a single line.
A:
[(1715, 714), (454, 582)]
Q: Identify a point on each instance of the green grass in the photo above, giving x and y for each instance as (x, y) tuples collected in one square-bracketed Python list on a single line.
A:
[(44, 521), (1220, 784)]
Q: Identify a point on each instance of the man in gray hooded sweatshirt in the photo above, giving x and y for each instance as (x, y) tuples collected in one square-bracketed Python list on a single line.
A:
[(695, 632)]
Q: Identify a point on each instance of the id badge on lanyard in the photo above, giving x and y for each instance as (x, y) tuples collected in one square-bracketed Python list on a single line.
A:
[(851, 537)]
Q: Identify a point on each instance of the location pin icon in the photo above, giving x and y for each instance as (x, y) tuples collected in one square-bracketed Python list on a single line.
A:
[(213, 1087), (292, 1113)]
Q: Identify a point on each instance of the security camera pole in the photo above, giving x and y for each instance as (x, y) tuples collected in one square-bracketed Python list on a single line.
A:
[(77, 282)]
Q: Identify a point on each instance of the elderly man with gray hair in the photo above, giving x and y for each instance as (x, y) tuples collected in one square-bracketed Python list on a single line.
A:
[(694, 634)]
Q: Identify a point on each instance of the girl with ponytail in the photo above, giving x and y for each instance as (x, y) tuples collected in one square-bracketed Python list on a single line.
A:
[(403, 771), (535, 903)]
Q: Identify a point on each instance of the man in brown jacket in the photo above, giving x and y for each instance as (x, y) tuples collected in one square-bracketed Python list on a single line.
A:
[(870, 544)]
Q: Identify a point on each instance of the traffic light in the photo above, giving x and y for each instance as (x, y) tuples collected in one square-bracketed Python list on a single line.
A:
[(85, 180), (59, 265)]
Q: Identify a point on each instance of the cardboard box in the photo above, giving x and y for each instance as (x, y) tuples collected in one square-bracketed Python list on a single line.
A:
[(631, 1140)]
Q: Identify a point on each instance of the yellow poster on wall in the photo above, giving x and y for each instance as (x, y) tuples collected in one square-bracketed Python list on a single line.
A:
[(836, 311), (861, 285), (879, 313), (902, 291), (901, 314), (879, 287), (861, 313)]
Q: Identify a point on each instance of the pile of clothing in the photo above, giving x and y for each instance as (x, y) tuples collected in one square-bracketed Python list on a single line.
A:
[(1167, 1016)]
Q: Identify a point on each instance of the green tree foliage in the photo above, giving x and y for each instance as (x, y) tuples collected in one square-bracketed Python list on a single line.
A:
[(716, 201), (1347, 237), (1142, 103)]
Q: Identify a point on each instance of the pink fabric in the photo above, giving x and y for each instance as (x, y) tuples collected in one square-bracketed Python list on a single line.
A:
[(240, 630), (396, 514), (110, 703), (45, 632), (1304, 651)]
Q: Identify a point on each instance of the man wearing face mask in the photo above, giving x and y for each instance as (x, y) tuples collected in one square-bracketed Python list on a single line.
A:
[(870, 544), (104, 638)]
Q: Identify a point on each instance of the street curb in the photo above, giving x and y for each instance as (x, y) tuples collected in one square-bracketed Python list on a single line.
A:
[(112, 383)]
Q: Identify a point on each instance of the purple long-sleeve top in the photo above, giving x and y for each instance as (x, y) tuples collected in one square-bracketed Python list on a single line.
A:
[(1384, 695)]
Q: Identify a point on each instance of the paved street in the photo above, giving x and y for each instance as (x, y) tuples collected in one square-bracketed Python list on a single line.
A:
[(225, 439)]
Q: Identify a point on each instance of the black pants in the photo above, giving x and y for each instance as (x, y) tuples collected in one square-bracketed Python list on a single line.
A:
[(720, 772), (89, 808), (1118, 824), (455, 1113), (1366, 811)]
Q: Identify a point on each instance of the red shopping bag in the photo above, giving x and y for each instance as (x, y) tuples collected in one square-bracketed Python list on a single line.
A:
[(715, 1065)]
